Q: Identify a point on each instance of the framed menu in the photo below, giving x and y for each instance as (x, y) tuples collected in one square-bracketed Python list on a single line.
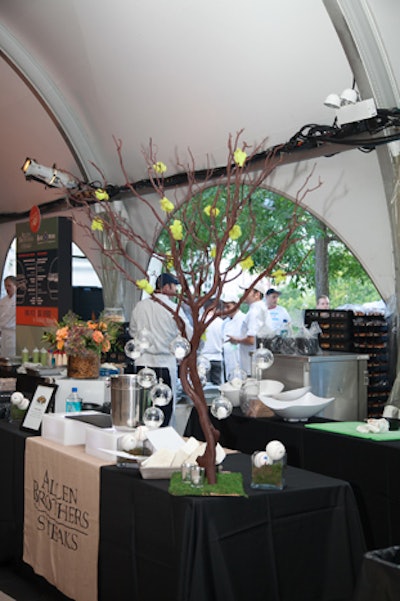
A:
[(44, 289), (42, 400)]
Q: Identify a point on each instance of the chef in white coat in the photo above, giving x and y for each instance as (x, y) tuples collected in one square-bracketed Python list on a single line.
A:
[(7, 318)]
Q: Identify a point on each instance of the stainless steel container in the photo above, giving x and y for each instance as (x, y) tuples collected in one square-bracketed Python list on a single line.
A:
[(128, 401)]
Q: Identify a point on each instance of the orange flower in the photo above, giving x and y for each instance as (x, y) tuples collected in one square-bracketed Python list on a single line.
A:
[(98, 337), (62, 333), (106, 346)]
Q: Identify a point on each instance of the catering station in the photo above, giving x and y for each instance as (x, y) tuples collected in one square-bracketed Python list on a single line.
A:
[(200, 546), (200, 300)]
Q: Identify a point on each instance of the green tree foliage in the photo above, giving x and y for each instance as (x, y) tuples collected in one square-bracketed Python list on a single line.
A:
[(348, 281)]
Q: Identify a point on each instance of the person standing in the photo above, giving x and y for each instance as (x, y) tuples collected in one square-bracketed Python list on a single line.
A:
[(7, 317), (323, 302), (212, 345), (280, 318), (256, 319), (232, 326), (159, 321)]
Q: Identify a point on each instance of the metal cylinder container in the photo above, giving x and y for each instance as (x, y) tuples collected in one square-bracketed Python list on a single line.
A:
[(128, 401)]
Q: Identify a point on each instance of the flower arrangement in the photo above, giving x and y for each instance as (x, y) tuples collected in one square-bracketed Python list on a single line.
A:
[(74, 336)]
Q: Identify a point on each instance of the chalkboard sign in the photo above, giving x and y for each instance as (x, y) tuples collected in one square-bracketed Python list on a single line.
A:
[(44, 267)]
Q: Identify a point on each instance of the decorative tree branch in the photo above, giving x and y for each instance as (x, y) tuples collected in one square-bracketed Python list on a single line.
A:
[(208, 236)]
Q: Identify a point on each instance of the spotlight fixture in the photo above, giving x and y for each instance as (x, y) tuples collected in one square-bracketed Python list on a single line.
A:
[(333, 101), (349, 107), (349, 96), (50, 176)]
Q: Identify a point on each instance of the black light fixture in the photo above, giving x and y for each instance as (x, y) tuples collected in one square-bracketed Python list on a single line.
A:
[(50, 176)]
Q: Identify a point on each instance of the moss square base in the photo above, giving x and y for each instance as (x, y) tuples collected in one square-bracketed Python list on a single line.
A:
[(229, 484)]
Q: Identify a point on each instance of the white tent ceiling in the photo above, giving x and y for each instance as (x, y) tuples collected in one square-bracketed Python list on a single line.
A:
[(75, 73)]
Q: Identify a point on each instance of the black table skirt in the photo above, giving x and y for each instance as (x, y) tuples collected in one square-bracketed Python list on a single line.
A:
[(12, 451), (372, 468), (304, 543)]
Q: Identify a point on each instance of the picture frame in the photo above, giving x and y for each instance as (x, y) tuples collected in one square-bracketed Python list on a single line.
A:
[(42, 401)]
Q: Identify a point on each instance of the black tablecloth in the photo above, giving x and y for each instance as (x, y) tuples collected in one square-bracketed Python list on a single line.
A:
[(12, 449), (372, 468), (302, 543)]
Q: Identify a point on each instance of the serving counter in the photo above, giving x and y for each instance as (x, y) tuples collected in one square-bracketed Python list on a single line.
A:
[(305, 542), (371, 467)]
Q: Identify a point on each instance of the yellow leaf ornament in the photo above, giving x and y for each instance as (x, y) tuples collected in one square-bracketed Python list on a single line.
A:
[(160, 167), (209, 210), (279, 276), (101, 194), (97, 225), (176, 229), (170, 262), (239, 157), (166, 205), (247, 263), (145, 285), (235, 232)]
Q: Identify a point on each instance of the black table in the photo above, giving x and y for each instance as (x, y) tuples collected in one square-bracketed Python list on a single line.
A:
[(304, 543), (372, 468), (12, 449)]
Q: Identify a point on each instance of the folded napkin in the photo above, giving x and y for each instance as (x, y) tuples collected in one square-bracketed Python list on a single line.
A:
[(187, 453)]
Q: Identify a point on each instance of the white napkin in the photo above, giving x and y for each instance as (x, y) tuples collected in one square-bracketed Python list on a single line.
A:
[(188, 453), (374, 425)]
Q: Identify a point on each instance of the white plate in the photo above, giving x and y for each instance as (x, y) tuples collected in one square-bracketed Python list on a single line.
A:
[(298, 410), (271, 387), (291, 395)]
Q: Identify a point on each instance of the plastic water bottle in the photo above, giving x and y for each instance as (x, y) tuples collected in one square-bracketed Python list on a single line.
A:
[(73, 401), (284, 330)]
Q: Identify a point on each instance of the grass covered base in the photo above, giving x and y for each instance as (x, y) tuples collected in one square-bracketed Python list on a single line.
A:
[(229, 484)]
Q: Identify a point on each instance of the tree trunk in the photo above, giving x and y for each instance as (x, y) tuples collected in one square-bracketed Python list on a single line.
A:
[(321, 265), (192, 386)]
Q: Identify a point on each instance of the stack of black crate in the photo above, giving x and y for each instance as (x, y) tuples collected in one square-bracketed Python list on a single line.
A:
[(354, 332), (371, 337), (336, 329)]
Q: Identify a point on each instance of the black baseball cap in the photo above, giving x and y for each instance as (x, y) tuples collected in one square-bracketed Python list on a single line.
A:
[(165, 278), (272, 291)]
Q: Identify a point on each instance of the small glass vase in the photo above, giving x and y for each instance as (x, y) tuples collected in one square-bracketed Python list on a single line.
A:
[(83, 367), (266, 473), (16, 414)]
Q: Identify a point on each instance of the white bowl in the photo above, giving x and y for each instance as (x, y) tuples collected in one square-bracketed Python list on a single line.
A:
[(291, 395), (299, 410), (231, 392), (271, 387)]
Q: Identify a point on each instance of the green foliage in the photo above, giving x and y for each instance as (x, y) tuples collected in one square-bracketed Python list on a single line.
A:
[(348, 281)]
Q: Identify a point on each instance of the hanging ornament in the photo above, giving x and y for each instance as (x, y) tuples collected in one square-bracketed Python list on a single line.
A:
[(221, 407), (160, 394), (153, 417), (180, 347), (203, 365), (132, 349), (263, 358), (237, 377), (147, 377), (143, 339)]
